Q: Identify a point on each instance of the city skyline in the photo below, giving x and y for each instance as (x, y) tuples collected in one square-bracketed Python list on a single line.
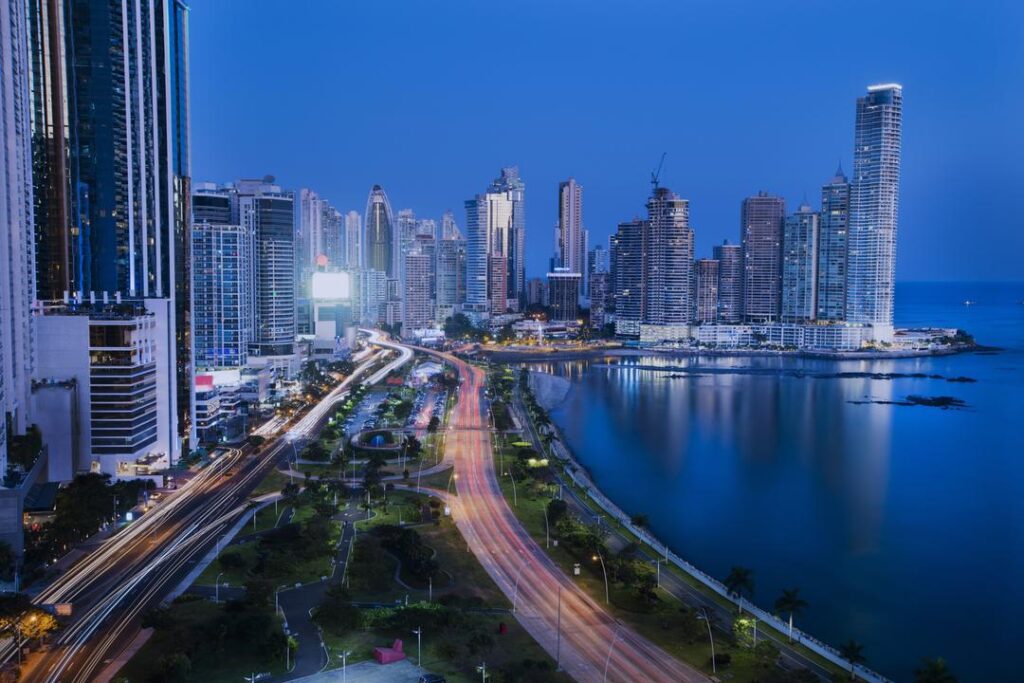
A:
[(746, 138)]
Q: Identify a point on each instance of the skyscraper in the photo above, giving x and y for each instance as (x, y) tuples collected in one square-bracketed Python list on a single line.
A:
[(405, 229), (597, 260), (800, 266), (761, 220), (511, 237), (730, 282), (379, 246), (353, 240), (110, 119), (564, 294), (267, 211), (223, 272), (874, 203), (706, 271), (451, 277), (495, 226), (569, 235), (17, 253), (419, 310), (670, 260), (630, 277), (832, 248), (449, 229), (599, 298)]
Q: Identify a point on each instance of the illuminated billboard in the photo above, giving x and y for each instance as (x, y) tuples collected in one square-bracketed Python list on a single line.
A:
[(331, 287)]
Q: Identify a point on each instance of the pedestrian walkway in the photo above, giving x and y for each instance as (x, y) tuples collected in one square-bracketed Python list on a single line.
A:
[(369, 672), (297, 604)]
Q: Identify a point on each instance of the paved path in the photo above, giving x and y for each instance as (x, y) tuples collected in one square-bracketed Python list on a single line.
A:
[(297, 604), (369, 672)]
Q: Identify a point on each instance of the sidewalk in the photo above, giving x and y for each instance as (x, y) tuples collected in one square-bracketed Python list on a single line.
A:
[(369, 672)]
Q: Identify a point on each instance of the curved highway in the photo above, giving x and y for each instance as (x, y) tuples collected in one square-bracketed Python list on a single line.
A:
[(135, 569), (581, 635)]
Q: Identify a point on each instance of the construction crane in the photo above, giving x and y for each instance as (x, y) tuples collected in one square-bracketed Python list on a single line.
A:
[(657, 174)]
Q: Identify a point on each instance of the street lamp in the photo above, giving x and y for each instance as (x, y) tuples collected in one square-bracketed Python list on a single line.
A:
[(344, 662), (216, 587), (515, 496), (707, 620), (604, 570), (419, 642), (657, 563), (483, 671), (453, 477)]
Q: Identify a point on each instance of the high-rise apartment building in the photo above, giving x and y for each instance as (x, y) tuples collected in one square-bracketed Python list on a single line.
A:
[(630, 277), (111, 135), (706, 272), (730, 282), (223, 289), (800, 266), (496, 229), (353, 240), (17, 249), (450, 285), (569, 236), (418, 309), (564, 294), (670, 260), (380, 248), (268, 212), (874, 204), (597, 260), (832, 248), (761, 219), (536, 292), (449, 229), (599, 299)]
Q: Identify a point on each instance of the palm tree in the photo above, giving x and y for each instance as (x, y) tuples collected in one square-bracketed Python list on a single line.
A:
[(641, 521), (853, 652), (934, 671), (790, 602), (740, 581)]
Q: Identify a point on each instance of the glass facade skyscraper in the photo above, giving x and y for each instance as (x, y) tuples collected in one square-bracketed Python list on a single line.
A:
[(379, 246), (761, 227), (874, 203), (800, 266), (832, 248), (224, 296)]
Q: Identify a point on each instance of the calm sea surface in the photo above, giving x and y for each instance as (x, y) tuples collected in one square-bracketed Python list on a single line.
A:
[(903, 526)]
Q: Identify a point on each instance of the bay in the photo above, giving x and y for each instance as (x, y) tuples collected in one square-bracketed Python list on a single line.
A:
[(902, 525)]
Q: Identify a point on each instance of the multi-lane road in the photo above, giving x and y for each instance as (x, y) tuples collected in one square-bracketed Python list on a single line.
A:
[(136, 569), (577, 631)]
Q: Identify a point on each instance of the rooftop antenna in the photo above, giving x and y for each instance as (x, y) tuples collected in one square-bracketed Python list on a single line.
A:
[(657, 174)]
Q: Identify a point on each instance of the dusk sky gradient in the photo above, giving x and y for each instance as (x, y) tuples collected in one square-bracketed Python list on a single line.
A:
[(430, 99)]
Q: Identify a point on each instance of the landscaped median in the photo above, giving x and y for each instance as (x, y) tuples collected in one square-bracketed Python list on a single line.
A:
[(199, 639), (419, 576)]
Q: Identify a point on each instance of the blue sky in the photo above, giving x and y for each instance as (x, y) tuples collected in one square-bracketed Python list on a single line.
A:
[(430, 99)]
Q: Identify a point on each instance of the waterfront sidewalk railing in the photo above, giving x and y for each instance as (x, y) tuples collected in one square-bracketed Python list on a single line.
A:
[(813, 644)]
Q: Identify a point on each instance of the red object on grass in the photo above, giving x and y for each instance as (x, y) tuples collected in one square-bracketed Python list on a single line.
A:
[(387, 655), (502, 628)]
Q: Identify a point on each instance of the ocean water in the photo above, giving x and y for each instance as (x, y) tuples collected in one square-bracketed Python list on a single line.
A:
[(902, 525)]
